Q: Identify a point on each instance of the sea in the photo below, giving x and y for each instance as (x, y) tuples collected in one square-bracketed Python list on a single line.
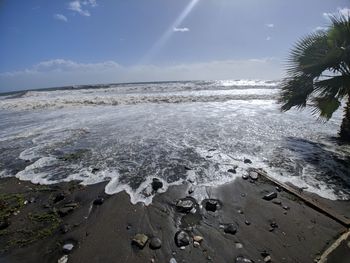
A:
[(188, 131)]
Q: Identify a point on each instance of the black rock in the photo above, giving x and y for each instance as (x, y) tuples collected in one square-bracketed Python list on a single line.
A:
[(187, 168), (155, 243), (247, 161), (95, 170), (182, 238), (243, 260), (211, 205), (230, 229), (64, 228), (245, 177), (58, 197), (4, 224), (156, 184), (98, 201), (270, 196), (65, 211), (232, 171), (273, 224), (185, 205)]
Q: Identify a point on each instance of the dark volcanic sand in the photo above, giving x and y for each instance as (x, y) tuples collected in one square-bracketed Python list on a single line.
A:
[(105, 234)]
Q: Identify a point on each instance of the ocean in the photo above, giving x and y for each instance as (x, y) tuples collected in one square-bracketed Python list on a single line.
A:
[(128, 134)]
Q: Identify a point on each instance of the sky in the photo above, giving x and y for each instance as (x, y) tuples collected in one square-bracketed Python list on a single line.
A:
[(73, 42)]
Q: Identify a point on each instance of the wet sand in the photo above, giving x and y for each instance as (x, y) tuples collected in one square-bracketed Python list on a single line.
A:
[(42, 219)]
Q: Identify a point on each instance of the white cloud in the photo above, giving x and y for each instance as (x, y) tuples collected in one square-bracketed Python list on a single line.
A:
[(181, 29), (270, 25), (80, 6), (61, 72), (268, 38), (60, 17), (342, 11)]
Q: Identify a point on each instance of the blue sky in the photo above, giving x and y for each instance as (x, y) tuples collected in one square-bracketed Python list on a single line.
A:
[(55, 43)]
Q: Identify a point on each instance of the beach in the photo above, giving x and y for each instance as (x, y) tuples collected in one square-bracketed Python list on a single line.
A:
[(101, 227)]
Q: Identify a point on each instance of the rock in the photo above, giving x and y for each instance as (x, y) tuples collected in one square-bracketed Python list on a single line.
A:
[(270, 196), (277, 202), (245, 177), (232, 171), (68, 247), (187, 168), (230, 229), (172, 260), (278, 189), (198, 239), (99, 201), (58, 197), (238, 245), (155, 243), (128, 227), (185, 205), (285, 207), (140, 240), (156, 184), (190, 191), (196, 244), (267, 259), (65, 211), (247, 222), (211, 205), (63, 259), (240, 211), (243, 195), (253, 175), (182, 238), (64, 228), (247, 161), (4, 224), (243, 260)]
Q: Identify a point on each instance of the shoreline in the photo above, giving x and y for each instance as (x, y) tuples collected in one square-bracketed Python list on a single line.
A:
[(47, 220)]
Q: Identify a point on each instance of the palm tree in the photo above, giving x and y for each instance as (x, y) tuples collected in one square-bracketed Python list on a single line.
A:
[(318, 73)]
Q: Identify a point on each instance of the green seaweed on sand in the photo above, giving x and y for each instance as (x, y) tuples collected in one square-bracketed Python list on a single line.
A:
[(9, 204)]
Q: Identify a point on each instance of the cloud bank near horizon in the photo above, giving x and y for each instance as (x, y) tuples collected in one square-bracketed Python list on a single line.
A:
[(62, 72)]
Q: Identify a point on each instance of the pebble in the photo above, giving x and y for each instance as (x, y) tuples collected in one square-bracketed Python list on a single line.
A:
[(68, 247), (270, 196), (253, 175), (232, 171), (58, 197), (230, 229), (172, 260), (245, 177), (247, 222), (238, 245), (140, 240), (247, 161), (155, 243), (185, 205), (4, 224), (278, 189), (240, 211), (156, 184), (196, 244), (182, 238), (198, 239), (63, 259), (285, 207), (277, 202), (99, 201), (243, 260), (267, 259)]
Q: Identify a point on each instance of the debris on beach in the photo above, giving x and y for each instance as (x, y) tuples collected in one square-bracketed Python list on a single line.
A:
[(155, 243), (140, 240), (182, 238), (270, 196), (185, 205), (156, 184)]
